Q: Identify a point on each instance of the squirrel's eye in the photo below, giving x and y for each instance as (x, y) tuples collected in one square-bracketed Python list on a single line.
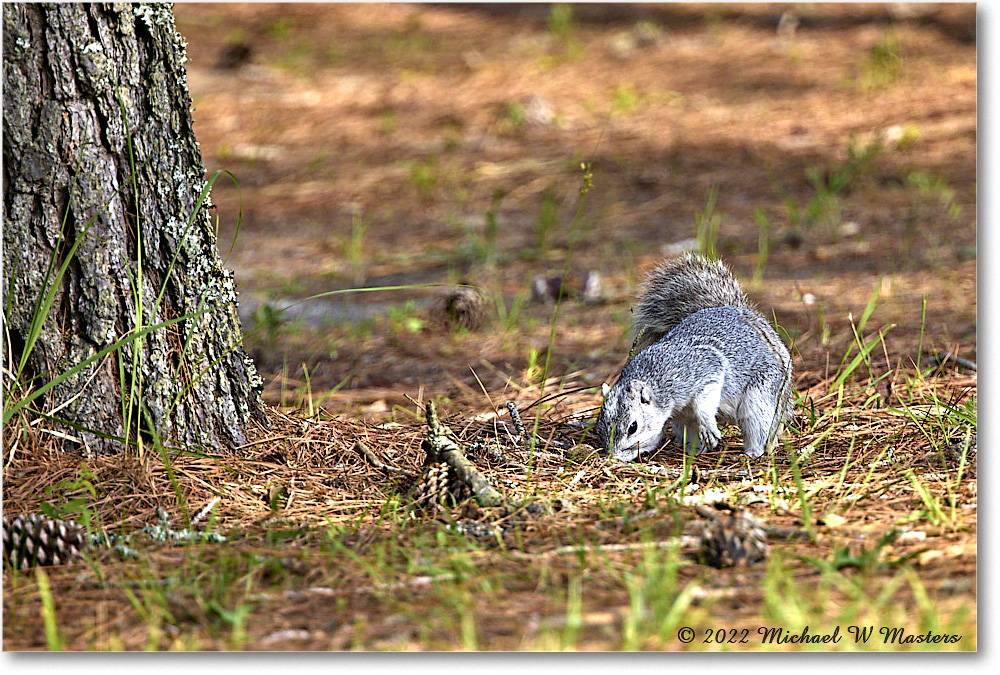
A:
[(632, 428)]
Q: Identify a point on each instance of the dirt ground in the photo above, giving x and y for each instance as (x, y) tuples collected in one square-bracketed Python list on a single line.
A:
[(375, 144), (833, 147)]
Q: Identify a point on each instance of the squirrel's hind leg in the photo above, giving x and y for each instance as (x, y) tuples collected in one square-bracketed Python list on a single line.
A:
[(760, 420)]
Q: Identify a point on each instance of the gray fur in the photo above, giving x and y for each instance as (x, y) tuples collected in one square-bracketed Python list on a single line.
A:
[(716, 362), (678, 288)]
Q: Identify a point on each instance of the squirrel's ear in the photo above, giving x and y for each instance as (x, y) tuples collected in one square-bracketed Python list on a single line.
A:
[(640, 391), (646, 394), (605, 389)]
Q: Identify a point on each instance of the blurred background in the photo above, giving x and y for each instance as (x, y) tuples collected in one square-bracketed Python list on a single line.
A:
[(826, 151)]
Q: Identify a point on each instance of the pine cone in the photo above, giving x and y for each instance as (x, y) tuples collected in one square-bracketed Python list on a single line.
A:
[(732, 539), (438, 483), (431, 483), (577, 286), (33, 539), (465, 306), (458, 489)]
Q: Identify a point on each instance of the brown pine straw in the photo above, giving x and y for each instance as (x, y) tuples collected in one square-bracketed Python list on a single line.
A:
[(319, 477), (316, 480)]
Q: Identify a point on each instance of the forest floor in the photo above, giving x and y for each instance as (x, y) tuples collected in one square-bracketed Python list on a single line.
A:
[(829, 153)]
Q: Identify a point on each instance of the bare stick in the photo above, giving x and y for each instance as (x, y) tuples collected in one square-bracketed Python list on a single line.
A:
[(942, 359), (515, 417), (697, 474), (366, 452), (682, 541), (201, 514)]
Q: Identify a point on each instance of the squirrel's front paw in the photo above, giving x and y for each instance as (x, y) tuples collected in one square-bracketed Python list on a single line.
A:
[(707, 439)]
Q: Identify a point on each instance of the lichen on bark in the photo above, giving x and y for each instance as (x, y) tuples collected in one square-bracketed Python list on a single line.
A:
[(69, 71)]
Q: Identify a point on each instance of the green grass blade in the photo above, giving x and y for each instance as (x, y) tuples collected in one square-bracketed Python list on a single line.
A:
[(8, 413), (47, 295), (53, 641), (47, 298), (870, 307), (861, 357), (859, 329)]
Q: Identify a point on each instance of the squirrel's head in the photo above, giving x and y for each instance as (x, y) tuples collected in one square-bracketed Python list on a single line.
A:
[(631, 419)]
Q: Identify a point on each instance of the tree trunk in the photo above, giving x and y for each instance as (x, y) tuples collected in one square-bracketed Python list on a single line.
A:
[(86, 88)]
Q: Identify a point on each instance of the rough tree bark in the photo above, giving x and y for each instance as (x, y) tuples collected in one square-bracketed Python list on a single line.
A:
[(67, 70)]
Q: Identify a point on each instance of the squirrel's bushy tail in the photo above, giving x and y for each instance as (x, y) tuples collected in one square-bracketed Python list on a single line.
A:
[(679, 287)]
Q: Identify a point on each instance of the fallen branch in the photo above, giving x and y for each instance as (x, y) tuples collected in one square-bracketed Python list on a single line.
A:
[(682, 541), (442, 446), (943, 359), (697, 475), (515, 417)]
